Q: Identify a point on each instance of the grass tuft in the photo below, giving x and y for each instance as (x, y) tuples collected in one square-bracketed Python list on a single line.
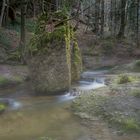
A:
[(124, 78), (130, 124)]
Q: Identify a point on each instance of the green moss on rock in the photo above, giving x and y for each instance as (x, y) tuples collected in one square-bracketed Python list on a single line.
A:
[(52, 28)]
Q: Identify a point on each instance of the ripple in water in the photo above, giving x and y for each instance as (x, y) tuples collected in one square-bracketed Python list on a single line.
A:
[(66, 97), (91, 80)]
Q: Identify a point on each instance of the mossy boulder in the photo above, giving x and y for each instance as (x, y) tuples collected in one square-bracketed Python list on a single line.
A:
[(55, 59), (50, 73)]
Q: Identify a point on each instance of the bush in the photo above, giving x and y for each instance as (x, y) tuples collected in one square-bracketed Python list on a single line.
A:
[(124, 79)]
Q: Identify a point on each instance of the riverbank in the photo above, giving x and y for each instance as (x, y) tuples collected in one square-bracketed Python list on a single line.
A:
[(112, 112)]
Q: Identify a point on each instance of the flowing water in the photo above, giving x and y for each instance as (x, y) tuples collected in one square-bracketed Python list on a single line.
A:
[(31, 117)]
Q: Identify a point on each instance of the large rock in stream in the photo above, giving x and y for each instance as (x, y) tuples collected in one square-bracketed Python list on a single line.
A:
[(55, 59), (49, 73)]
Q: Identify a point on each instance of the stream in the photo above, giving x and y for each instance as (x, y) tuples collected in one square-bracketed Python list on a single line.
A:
[(31, 117)]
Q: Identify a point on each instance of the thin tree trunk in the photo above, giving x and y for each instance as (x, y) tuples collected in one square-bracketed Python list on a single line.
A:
[(2, 12), (102, 17), (115, 23), (138, 2), (22, 35), (34, 9), (111, 17), (7, 11), (43, 6), (97, 11), (123, 19)]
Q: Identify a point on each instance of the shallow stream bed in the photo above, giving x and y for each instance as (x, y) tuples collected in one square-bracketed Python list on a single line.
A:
[(31, 117)]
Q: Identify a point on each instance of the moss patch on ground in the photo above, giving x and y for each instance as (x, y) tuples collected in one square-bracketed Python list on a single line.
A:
[(6, 81)]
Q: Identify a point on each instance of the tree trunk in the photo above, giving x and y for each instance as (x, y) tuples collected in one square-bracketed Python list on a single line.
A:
[(34, 9), (43, 6), (102, 17), (111, 17), (2, 12), (7, 12), (123, 19), (97, 11), (138, 2), (22, 35)]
